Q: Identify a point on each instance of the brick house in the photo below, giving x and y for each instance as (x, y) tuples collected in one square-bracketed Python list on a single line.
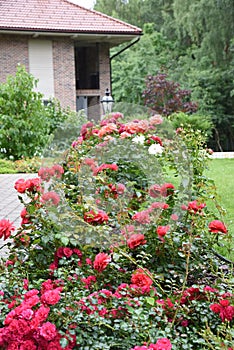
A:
[(65, 46)]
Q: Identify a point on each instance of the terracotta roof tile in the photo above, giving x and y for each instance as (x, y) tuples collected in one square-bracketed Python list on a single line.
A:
[(58, 16)]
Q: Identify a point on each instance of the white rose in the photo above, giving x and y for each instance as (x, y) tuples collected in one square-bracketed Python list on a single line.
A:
[(139, 139), (155, 149)]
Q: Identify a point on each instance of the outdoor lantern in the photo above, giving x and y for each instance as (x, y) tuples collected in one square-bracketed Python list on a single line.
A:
[(107, 102)]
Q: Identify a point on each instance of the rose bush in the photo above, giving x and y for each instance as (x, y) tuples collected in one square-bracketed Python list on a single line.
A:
[(115, 249)]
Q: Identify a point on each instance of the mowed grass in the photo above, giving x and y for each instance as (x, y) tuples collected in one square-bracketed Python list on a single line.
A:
[(221, 171)]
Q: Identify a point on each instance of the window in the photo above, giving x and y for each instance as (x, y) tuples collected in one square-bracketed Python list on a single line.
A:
[(87, 67), (41, 65)]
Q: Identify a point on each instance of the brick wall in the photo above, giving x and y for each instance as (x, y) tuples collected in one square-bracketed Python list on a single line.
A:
[(13, 50), (64, 72), (104, 70)]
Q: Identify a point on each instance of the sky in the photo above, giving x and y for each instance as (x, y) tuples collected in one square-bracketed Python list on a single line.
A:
[(85, 3)]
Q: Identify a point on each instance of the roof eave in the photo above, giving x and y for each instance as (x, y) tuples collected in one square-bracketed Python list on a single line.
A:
[(111, 38)]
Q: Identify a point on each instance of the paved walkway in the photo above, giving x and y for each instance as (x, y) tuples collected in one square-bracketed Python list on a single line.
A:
[(10, 205)]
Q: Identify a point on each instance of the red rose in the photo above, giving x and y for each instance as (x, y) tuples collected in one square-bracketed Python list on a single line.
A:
[(156, 139), (67, 252), (101, 261), (59, 253), (224, 302), (194, 207), (31, 185), (167, 189), (215, 308), (20, 186), (135, 240), (98, 217), (140, 279), (162, 230), (102, 167), (6, 228), (227, 313), (27, 345), (24, 216), (217, 226)]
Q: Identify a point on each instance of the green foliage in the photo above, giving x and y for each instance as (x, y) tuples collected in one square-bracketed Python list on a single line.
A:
[(195, 121), (137, 12), (7, 167), (130, 68), (28, 165), (25, 123), (202, 21), (65, 132), (192, 44)]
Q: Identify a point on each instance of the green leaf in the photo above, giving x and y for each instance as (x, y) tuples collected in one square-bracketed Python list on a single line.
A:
[(150, 301), (65, 240)]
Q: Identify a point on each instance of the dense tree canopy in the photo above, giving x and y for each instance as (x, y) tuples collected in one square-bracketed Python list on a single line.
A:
[(190, 41)]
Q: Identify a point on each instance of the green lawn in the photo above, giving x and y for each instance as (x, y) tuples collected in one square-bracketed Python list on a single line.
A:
[(222, 172)]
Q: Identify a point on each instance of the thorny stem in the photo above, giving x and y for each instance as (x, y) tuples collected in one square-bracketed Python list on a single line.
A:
[(185, 280)]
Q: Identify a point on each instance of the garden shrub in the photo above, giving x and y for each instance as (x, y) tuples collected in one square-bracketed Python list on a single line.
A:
[(25, 123), (195, 121), (115, 247), (166, 97)]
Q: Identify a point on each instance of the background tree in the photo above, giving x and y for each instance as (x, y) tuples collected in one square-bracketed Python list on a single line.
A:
[(166, 97), (193, 43)]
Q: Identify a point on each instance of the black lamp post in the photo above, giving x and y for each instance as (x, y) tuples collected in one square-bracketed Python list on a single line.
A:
[(107, 102)]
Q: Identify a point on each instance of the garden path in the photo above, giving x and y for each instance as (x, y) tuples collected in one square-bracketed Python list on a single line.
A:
[(10, 205)]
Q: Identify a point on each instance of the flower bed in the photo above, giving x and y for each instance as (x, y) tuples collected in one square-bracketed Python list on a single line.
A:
[(115, 247)]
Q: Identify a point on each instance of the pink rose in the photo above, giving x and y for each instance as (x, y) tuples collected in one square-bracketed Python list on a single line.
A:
[(46, 173), (50, 198), (155, 191), (135, 240), (6, 228), (101, 261), (161, 344), (142, 217), (51, 297), (48, 331)]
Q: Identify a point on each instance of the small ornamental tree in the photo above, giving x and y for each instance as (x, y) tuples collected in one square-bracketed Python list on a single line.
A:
[(25, 123), (166, 97)]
